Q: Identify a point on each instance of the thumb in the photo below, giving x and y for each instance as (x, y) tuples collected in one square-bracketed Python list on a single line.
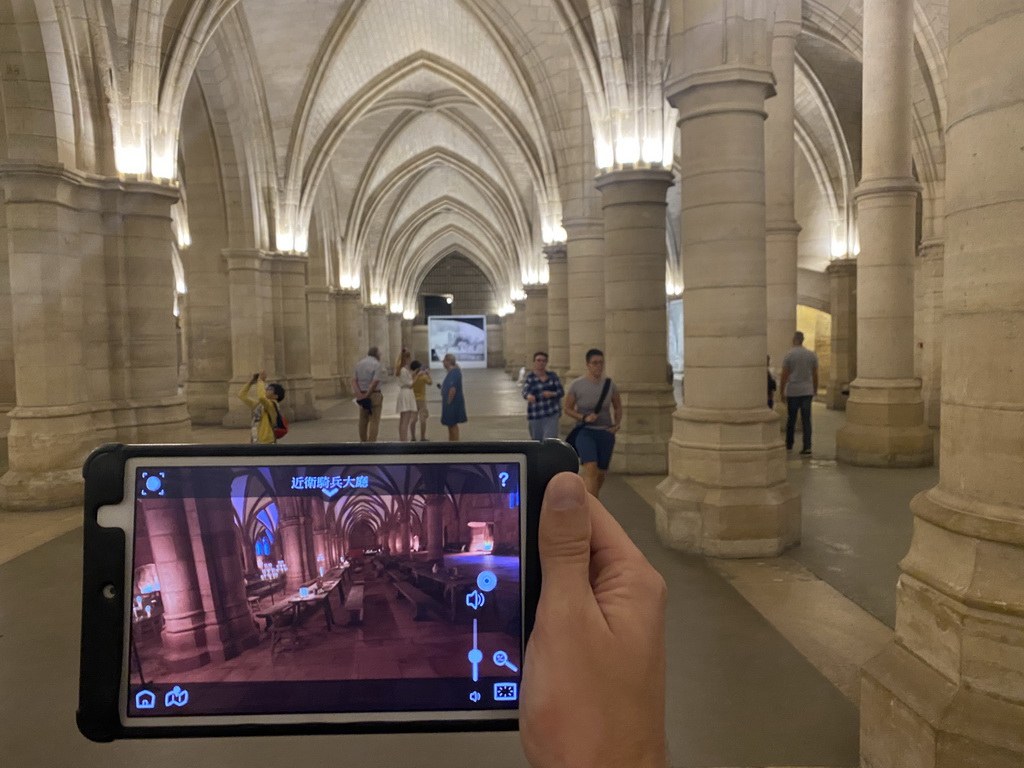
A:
[(564, 539)]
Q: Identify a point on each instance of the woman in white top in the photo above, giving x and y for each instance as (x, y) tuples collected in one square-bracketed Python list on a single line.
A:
[(406, 406)]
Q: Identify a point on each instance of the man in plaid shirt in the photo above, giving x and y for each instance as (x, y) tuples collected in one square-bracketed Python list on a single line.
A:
[(543, 394)]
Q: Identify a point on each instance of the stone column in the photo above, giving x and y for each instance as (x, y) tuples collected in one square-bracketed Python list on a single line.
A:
[(293, 543), (558, 308), (930, 289), (636, 327), (227, 626), (495, 344), (318, 299), (842, 275), (782, 229), (351, 340), (536, 322), (407, 335), (171, 542), (434, 514), (93, 330), (380, 334), (518, 337), (252, 328), (394, 341), (506, 341), (726, 494), (948, 691), (290, 271), (885, 413), (421, 344), (585, 260)]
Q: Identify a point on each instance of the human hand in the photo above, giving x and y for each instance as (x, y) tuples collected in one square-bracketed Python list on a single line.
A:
[(613, 428), (531, 398), (594, 676), (590, 418)]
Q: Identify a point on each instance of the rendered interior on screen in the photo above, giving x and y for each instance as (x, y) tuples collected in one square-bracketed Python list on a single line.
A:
[(324, 573)]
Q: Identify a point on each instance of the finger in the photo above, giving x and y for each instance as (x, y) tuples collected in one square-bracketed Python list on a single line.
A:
[(564, 539), (608, 541)]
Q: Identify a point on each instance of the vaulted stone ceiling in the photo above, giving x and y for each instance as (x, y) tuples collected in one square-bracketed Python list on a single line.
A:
[(381, 135)]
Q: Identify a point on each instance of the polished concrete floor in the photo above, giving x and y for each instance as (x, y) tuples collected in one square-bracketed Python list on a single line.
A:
[(763, 654)]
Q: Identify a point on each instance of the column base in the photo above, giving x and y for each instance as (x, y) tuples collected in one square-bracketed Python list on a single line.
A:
[(48, 445), (641, 445), (835, 400), (910, 715), (299, 400), (727, 494), (207, 402), (885, 426), (326, 387)]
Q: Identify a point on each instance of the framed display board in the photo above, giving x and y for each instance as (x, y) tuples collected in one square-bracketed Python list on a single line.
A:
[(463, 336)]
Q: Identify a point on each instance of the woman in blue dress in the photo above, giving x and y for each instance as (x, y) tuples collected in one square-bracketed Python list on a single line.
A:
[(453, 400)]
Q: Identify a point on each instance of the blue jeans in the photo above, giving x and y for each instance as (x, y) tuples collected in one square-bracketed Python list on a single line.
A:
[(544, 427), (801, 405)]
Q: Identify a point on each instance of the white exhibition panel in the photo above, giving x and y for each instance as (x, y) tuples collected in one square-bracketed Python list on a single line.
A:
[(464, 336)]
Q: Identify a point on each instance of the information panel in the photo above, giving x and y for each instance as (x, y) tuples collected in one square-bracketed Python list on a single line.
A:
[(462, 336)]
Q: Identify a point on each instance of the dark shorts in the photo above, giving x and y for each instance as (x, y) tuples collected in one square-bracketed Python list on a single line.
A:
[(595, 445)]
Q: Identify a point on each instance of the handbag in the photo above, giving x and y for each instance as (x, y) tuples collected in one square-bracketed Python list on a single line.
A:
[(575, 432)]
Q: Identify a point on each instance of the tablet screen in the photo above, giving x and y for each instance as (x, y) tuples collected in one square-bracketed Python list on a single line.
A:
[(376, 585)]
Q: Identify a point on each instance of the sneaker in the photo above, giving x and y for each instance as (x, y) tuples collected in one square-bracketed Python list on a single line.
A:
[(805, 452)]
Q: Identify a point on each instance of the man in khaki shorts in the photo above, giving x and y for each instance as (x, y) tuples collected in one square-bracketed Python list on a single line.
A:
[(420, 380)]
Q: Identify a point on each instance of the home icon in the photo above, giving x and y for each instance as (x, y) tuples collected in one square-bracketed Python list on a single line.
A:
[(145, 700)]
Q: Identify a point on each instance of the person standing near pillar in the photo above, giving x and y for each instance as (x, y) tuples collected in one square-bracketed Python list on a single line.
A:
[(366, 386), (543, 393), (453, 399), (405, 406), (266, 418), (799, 385)]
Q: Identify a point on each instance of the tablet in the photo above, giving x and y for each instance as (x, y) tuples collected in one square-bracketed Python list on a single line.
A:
[(240, 590)]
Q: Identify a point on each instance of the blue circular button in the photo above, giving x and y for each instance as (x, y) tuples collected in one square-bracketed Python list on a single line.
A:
[(486, 581), (153, 483)]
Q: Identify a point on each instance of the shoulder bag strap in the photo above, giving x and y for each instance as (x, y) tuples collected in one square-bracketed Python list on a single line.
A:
[(604, 394)]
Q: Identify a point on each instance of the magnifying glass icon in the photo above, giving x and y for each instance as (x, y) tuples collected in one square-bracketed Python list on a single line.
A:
[(501, 659)]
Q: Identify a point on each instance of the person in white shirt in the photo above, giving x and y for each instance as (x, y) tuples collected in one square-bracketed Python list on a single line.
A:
[(366, 388)]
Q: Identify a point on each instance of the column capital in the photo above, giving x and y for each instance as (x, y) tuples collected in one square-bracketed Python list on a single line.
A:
[(556, 252), (318, 292), (253, 258), (841, 267), (34, 173), (584, 228), (519, 304), (536, 291), (886, 187), (932, 249), (346, 293), (658, 180), (727, 88), (788, 19), (377, 309)]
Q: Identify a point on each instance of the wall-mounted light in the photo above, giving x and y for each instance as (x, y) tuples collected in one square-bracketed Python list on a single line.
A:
[(409, 314)]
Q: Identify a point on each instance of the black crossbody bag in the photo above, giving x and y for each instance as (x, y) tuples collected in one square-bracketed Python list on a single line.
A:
[(571, 437)]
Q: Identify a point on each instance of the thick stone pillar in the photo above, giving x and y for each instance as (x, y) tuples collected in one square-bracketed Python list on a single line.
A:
[(558, 308), (227, 626), (325, 383), (930, 289), (292, 532), (294, 359), (351, 341), (842, 275), (252, 326), (585, 260), (885, 414), (495, 344), (782, 229), (636, 327), (380, 335), (93, 330), (394, 340), (536, 321), (948, 691), (183, 634), (726, 494)]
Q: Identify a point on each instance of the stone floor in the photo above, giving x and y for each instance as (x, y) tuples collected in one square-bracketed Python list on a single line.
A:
[(763, 654)]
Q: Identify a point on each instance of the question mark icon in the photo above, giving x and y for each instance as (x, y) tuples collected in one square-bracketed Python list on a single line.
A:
[(503, 476)]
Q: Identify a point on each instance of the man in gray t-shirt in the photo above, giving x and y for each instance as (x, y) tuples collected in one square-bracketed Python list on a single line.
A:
[(366, 381), (799, 385), (596, 441)]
